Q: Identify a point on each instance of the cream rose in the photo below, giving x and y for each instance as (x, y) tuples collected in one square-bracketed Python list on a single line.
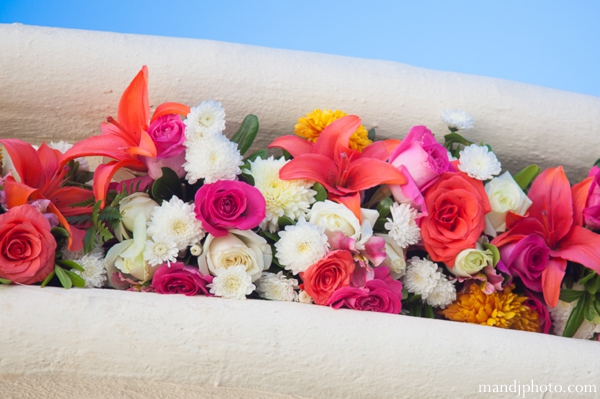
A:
[(505, 195), (238, 247), (336, 217), (471, 261), (395, 259), (130, 207)]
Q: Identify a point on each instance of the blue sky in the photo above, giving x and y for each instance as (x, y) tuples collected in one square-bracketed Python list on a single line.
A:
[(548, 43)]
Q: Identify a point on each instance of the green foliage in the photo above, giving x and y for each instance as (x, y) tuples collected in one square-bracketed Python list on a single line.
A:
[(99, 227), (321, 192), (47, 279), (372, 134), (166, 186), (5, 281), (454, 142), (525, 176), (567, 295), (495, 252), (246, 134), (63, 277), (384, 207)]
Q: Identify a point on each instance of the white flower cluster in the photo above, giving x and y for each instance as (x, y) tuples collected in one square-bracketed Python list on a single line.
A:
[(94, 273), (457, 119), (291, 198), (232, 283), (301, 246), (277, 287), (402, 226), (479, 162), (425, 278)]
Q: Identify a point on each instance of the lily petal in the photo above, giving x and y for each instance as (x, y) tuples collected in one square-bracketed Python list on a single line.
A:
[(365, 173), (336, 136), (104, 174), (380, 149), (580, 245), (26, 162), (170, 109), (314, 167), (134, 109), (293, 144), (580, 192), (65, 197), (19, 193), (551, 280)]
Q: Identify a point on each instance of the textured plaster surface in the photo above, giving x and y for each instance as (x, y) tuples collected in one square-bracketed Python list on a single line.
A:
[(60, 83), (107, 343)]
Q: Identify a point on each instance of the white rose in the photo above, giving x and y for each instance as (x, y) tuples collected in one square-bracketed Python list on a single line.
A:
[(130, 207), (336, 217), (505, 195), (237, 248), (395, 259), (128, 256), (470, 261)]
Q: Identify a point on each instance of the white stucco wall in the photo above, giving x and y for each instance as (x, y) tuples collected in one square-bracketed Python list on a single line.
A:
[(57, 83)]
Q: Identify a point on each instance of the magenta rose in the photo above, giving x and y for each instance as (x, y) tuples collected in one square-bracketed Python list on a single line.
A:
[(229, 204), (591, 212), (542, 310), (527, 259), (382, 294), (168, 135), (180, 279)]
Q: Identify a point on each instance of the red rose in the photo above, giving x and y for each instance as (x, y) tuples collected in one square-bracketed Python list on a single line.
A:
[(327, 275), (456, 206), (26, 245)]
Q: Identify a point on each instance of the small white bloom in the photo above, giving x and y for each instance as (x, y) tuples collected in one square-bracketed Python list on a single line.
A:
[(177, 220), (443, 294), (395, 259), (205, 120), (303, 297), (232, 283), (94, 273), (301, 246), (196, 250), (162, 249), (457, 119), (277, 287), (505, 195), (421, 276), (479, 162), (560, 314), (212, 159), (402, 226), (291, 198)]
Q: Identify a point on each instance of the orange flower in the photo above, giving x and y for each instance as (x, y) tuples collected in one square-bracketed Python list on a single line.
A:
[(327, 275), (457, 205)]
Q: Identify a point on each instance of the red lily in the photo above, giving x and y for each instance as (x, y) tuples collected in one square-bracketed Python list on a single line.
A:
[(344, 172), (42, 178), (125, 140), (551, 216)]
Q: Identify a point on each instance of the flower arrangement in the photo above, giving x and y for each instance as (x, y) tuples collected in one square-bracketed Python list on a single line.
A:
[(332, 215)]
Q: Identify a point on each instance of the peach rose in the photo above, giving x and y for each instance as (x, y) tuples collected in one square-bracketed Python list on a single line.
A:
[(457, 205), (26, 245), (327, 275)]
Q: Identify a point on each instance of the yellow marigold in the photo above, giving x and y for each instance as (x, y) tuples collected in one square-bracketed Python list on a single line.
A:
[(311, 125), (500, 309)]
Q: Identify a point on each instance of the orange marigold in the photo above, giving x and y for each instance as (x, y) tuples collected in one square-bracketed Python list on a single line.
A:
[(500, 309), (311, 125)]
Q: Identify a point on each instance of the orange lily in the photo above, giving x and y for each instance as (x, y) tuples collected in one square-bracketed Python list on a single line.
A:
[(551, 216), (344, 172), (43, 178), (124, 140)]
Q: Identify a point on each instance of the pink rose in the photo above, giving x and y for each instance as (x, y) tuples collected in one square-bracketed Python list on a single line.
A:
[(527, 259), (591, 212), (382, 294), (168, 135), (26, 245), (542, 310), (229, 204), (180, 279)]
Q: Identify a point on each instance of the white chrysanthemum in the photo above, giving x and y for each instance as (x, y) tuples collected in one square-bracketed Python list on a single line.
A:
[(205, 120), (402, 226), (301, 246), (560, 314), (303, 297), (277, 287), (457, 119), (479, 162), (291, 198), (443, 294), (212, 159), (177, 220), (94, 272), (421, 276), (162, 249), (232, 283)]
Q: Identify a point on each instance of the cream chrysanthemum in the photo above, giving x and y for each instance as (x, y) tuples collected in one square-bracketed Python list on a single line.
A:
[(212, 159), (479, 162), (560, 314), (94, 273), (277, 287), (162, 249), (402, 226), (303, 297), (232, 283), (457, 119), (421, 276), (301, 246), (443, 294), (205, 120), (291, 198), (177, 220)]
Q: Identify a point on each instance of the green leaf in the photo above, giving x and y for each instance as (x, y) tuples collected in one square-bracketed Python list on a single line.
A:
[(63, 277), (47, 279), (495, 252), (380, 224), (372, 135), (5, 281), (384, 207), (257, 154), (590, 287), (321, 192), (575, 318), (455, 138), (70, 264), (270, 236), (166, 186), (526, 175), (589, 311), (286, 155), (429, 312), (246, 134), (588, 277), (597, 306), (570, 295), (597, 163), (59, 232), (89, 240), (285, 221), (76, 279)]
